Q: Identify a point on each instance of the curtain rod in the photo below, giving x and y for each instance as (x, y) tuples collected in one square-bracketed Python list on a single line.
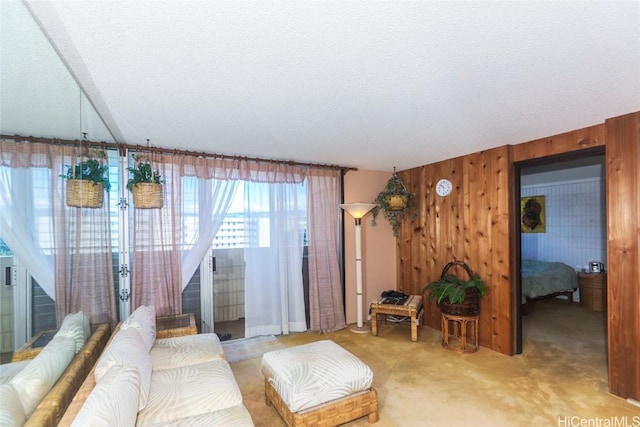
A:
[(122, 146)]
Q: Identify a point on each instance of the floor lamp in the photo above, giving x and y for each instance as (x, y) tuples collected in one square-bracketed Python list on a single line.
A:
[(358, 211)]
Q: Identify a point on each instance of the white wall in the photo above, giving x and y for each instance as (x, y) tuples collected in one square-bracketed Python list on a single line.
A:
[(575, 223)]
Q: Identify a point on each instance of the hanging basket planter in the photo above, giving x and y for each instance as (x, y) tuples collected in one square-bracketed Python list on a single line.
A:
[(84, 194), (87, 180), (395, 202), (147, 195), (145, 184)]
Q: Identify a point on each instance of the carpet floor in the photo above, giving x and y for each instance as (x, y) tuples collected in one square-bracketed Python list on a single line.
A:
[(559, 380)]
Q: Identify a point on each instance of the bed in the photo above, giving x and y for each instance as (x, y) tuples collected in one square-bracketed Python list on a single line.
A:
[(543, 279)]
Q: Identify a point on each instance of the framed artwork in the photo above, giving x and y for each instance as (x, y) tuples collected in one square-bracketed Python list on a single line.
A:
[(532, 217)]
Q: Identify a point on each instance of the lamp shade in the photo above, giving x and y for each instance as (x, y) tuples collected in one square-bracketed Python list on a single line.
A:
[(357, 210)]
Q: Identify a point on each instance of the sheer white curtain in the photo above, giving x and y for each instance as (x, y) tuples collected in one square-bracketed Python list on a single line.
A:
[(80, 273), (274, 294), (30, 240), (211, 200), (169, 243)]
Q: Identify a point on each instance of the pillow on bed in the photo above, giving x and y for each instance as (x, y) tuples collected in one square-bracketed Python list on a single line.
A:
[(127, 349), (113, 401), (144, 320), (11, 411), (37, 378), (75, 326)]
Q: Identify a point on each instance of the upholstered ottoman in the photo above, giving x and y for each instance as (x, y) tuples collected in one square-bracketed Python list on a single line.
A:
[(319, 384)]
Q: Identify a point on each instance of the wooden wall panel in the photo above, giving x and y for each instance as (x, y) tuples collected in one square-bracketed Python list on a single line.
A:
[(467, 225), (477, 224), (623, 254), (477, 247), (579, 139), (503, 214)]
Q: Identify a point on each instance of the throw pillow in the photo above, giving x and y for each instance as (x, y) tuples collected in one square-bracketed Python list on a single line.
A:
[(144, 320), (113, 401), (75, 326), (11, 411), (127, 349), (37, 378)]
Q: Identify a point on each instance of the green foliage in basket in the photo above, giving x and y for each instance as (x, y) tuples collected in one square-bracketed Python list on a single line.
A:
[(143, 173), (395, 187), (90, 170), (453, 288)]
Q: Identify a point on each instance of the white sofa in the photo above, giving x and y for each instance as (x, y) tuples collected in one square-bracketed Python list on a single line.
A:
[(144, 381), (37, 391)]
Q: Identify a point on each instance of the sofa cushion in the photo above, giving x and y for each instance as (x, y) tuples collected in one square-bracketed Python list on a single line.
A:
[(75, 326), (127, 349), (185, 350), (144, 320), (190, 390), (236, 416), (113, 401), (11, 411), (37, 378), (311, 374), (10, 370)]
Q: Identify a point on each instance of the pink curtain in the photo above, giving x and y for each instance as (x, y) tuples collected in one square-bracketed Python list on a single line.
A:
[(156, 270), (159, 239), (325, 287), (83, 255), (80, 237)]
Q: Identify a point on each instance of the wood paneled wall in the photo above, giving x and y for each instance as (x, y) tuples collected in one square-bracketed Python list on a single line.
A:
[(623, 254), (476, 223), (472, 225)]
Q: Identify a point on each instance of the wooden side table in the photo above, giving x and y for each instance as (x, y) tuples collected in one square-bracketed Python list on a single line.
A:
[(32, 348), (412, 308), (176, 325), (593, 290)]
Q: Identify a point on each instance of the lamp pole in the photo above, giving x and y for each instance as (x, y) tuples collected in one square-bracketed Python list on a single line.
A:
[(358, 211)]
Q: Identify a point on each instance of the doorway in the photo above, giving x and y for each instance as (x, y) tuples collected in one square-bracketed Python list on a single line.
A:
[(573, 190)]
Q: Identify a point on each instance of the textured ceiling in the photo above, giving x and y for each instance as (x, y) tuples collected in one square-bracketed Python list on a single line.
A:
[(356, 83)]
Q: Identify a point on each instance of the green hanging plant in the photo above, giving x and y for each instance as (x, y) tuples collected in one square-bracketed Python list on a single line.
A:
[(395, 202), (145, 184), (142, 173), (91, 169)]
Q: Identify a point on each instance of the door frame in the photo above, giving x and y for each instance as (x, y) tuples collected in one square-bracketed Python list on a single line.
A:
[(518, 166)]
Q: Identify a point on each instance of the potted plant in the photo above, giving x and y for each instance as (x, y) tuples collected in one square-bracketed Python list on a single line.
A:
[(395, 201), (87, 181), (456, 296), (145, 184)]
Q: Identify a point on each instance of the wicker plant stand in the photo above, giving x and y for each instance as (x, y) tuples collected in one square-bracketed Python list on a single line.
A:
[(460, 333), (332, 413)]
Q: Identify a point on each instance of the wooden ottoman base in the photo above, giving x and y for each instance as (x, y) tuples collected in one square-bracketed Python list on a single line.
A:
[(328, 414)]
